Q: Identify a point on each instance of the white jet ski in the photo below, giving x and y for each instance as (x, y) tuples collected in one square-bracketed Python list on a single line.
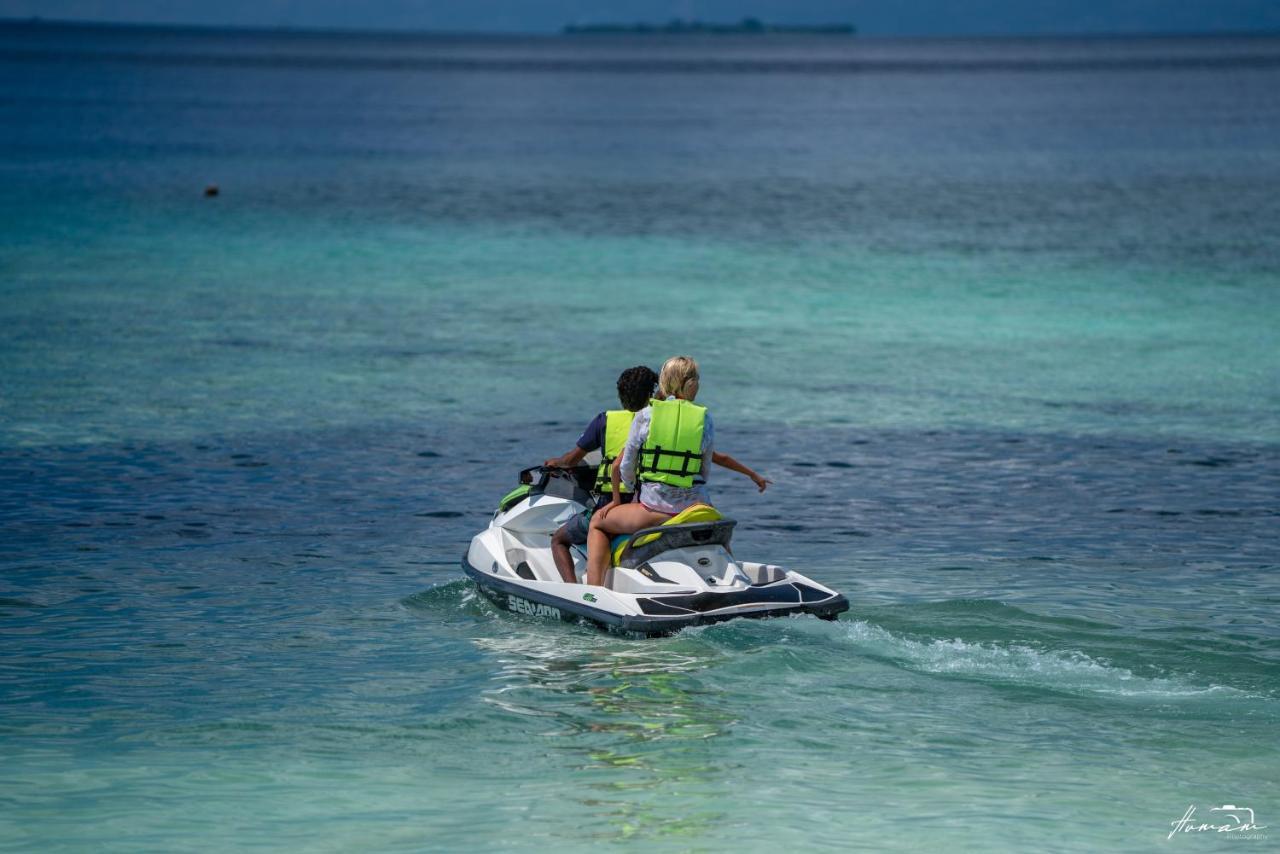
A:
[(663, 579)]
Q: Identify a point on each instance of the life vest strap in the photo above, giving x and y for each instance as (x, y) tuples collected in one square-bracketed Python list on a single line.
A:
[(604, 479), (652, 466)]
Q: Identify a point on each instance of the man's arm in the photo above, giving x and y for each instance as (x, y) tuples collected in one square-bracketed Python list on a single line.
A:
[(733, 465), (591, 439), (567, 460)]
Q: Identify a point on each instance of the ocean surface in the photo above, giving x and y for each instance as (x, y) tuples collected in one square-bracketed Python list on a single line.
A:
[(1000, 318)]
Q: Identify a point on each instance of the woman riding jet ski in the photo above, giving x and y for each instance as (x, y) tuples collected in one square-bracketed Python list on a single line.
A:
[(656, 565)]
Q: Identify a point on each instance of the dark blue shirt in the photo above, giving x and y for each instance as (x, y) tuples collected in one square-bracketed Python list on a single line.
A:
[(592, 439)]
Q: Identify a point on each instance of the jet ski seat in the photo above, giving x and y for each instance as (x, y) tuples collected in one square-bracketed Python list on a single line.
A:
[(699, 525)]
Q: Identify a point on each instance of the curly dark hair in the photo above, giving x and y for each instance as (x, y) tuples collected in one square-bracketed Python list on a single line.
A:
[(635, 387)]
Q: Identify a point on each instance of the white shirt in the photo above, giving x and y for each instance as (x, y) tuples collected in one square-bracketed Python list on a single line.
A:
[(661, 496)]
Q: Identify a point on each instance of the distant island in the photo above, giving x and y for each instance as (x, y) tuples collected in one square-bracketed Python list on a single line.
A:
[(682, 27)]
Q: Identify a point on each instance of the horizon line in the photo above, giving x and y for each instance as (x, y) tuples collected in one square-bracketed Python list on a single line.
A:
[(39, 20)]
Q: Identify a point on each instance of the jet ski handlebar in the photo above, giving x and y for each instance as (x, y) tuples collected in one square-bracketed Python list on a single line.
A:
[(540, 476), (526, 475)]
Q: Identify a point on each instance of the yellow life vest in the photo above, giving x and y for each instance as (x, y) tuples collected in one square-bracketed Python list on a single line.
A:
[(617, 426), (672, 452)]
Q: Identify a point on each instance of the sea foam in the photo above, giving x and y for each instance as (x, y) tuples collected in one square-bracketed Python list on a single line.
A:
[(1069, 671)]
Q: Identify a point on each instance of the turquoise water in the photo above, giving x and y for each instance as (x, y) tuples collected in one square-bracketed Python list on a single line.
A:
[(997, 317)]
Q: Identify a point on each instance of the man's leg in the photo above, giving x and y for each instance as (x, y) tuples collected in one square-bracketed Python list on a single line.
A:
[(560, 551), (571, 533)]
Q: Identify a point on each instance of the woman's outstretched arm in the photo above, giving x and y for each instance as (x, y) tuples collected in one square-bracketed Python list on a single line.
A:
[(733, 465)]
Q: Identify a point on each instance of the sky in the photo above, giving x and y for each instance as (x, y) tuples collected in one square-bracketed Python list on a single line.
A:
[(873, 17)]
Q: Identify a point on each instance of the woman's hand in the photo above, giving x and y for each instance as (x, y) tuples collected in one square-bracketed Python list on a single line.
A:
[(722, 459), (604, 511)]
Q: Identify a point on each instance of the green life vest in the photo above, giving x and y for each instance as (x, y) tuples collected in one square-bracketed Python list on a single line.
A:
[(617, 426), (672, 453)]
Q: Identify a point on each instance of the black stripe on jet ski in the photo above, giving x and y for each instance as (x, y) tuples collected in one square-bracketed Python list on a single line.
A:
[(827, 610), (810, 594), (654, 606), (695, 603)]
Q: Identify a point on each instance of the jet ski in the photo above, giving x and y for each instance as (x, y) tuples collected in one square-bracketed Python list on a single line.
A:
[(663, 579)]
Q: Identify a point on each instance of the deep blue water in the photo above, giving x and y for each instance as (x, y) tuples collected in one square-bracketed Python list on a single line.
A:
[(998, 317)]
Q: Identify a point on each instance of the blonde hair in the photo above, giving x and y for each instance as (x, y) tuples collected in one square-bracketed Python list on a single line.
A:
[(678, 373)]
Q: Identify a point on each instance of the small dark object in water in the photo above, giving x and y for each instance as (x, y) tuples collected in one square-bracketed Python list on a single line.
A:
[(210, 191)]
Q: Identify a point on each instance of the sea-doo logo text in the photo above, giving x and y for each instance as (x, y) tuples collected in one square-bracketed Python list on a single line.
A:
[(1234, 820), (533, 609)]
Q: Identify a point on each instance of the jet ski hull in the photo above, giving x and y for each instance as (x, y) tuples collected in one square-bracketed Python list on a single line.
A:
[(664, 614), (663, 579)]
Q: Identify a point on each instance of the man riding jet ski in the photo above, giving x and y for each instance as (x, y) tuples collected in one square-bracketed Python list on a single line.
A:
[(661, 579), (654, 565), (606, 433)]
